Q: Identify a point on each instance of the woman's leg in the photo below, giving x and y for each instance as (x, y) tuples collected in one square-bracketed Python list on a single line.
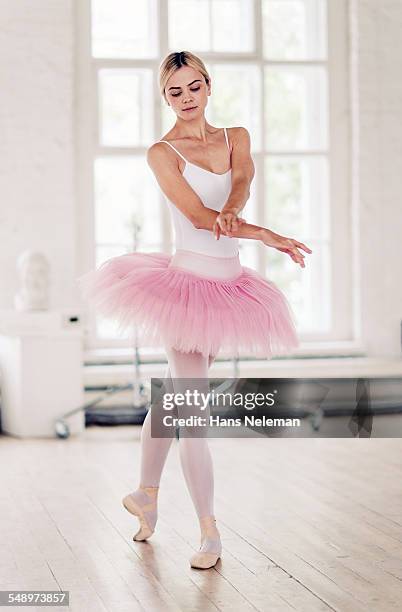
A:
[(154, 451), (195, 455), (143, 502)]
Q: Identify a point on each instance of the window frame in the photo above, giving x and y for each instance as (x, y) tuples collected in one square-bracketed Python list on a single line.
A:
[(342, 298)]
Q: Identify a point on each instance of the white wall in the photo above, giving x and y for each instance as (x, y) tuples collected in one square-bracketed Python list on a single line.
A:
[(36, 141), (37, 153), (377, 58)]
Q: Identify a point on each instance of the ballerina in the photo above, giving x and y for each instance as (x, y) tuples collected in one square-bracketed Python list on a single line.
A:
[(201, 300)]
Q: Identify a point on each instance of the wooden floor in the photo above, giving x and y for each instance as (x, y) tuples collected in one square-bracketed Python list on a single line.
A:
[(307, 525)]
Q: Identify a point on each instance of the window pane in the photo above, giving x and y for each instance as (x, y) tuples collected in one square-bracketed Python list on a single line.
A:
[(232, 25), (107, 251), (308, 289), (296, 108), (294, 29), (233, 105), (124, 28), (249, 248), (168, 119), (107, 329), (297, 196), (211, 25), (125, 105), (248, 253), (297, 206), (127, 209), (189, 25)]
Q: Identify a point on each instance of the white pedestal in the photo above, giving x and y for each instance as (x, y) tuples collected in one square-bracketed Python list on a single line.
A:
[(41, 372)]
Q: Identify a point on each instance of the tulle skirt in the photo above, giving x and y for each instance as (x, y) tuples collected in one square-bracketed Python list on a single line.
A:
[(192, 302)]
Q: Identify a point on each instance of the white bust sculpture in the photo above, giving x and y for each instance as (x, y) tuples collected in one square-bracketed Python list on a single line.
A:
[(33, 270)]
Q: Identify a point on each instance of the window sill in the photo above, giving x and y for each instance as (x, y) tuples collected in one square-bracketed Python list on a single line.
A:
[(114, 366), (307, 350)]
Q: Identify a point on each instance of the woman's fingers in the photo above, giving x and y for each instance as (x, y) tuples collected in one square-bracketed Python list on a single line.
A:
[(233, 223), (290, 246), (303, 246), (298, 257), (294, 254), (227, 223)]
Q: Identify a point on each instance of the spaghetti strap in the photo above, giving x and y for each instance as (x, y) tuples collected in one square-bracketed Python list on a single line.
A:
[(182, 156), (174, 149), (226, 137)]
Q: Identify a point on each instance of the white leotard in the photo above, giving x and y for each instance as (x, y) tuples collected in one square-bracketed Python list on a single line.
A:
[(213, 190)]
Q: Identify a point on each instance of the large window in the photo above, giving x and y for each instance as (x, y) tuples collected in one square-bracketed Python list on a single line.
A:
[(278, 68)]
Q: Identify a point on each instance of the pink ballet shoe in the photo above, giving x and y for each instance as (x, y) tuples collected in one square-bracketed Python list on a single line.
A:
[(139, 504), (211, 547)]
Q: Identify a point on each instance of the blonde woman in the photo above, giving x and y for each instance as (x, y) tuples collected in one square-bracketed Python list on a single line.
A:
[(200, 300)]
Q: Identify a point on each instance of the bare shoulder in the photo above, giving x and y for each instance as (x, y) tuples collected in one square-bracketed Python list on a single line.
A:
[(239, 134), (156, 151), (158, 154), (238, 131), (242, 162)]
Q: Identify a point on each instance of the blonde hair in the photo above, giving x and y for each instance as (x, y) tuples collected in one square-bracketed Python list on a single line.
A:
[(176, 60)]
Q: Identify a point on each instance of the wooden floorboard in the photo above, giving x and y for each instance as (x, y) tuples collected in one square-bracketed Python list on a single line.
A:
[(307, 525)]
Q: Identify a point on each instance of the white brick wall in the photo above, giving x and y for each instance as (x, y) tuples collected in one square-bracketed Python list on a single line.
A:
[(378, 51), (37, 154), (36, 141)]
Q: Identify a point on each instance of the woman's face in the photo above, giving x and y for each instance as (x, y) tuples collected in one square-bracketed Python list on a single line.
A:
[(187, 89)]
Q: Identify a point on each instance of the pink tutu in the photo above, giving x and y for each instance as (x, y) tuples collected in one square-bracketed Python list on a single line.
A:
[(244, 315)]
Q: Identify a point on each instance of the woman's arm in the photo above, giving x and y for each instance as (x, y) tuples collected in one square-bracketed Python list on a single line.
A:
[(207, 217), (166, 170), (242, 170), (177, 189), (272, 239), (242, 175)]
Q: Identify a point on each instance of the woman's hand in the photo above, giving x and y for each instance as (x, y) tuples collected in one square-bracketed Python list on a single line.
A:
[(286, 245), (226, 223)]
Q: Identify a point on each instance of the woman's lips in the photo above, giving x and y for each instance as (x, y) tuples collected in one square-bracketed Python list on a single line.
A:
[(189, 109)]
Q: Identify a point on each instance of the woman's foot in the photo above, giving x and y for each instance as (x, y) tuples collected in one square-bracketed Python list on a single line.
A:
[(211, 547), (143, 504)]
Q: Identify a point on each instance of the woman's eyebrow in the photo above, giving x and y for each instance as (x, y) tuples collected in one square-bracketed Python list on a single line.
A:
[(195, 81)]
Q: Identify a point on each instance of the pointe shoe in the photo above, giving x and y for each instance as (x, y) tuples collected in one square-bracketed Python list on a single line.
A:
[(211, 547), (143, 512)]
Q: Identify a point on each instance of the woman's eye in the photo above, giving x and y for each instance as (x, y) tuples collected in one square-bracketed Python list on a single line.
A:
[(178, 94)]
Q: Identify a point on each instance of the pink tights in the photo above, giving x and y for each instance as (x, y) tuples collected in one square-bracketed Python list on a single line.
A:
[(195, 456)]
